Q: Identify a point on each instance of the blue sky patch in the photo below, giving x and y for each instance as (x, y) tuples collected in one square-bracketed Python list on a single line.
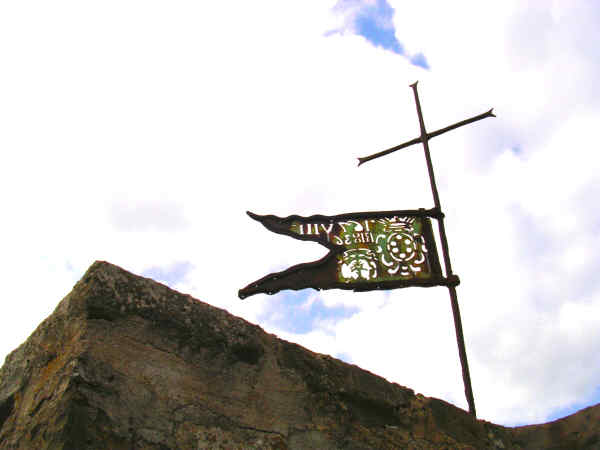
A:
[(373, 20), (169, 275), (344, 357), (300, 312), (559, 413), (420, 60), (374, 23)]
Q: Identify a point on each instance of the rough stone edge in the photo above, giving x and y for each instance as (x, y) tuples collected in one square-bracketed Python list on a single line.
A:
[(16, 370)]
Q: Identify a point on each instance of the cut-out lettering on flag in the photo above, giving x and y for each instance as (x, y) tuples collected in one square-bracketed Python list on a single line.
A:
[(367, 251)]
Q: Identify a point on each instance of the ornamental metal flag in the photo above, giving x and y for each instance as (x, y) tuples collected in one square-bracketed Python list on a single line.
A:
[(375, 250), (367, 251)]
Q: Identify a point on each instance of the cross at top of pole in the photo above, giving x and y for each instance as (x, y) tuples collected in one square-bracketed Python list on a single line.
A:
[(424, 135), (424, 139)]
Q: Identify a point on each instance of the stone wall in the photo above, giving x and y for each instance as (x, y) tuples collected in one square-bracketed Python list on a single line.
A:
[(127, 363)]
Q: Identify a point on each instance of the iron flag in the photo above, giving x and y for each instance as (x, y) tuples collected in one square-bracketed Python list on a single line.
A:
[(375, 250), (367, 251)]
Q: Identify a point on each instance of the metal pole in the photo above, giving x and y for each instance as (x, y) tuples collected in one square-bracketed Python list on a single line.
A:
[(429, 136), (451, 288)]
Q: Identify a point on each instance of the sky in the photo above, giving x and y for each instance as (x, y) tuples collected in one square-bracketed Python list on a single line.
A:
[(140, 133)]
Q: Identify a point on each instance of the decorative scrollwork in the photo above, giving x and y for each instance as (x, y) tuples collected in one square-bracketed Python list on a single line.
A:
[(400, 249), (381, 249), (358, 264), (367, 251)]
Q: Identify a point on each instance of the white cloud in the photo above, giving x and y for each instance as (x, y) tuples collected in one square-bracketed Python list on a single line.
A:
[(162, 215)]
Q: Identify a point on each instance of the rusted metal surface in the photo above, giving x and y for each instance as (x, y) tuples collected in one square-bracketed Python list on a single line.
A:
[(375, 250), (424, 139), (446, 253), (428, 135), (367, 251)]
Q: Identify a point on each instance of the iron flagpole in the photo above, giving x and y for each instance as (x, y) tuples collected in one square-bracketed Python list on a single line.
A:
[(446, 254), (451, 278), (433, 134)]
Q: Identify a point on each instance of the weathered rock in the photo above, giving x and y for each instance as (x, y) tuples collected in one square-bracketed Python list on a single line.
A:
[(127, 363), (577, 431)]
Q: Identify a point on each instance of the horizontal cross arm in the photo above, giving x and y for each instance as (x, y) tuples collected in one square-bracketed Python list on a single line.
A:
[(428, 136)]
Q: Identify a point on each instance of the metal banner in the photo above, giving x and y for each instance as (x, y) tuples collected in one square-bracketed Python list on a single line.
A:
[(367, 251), (375, 250)]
